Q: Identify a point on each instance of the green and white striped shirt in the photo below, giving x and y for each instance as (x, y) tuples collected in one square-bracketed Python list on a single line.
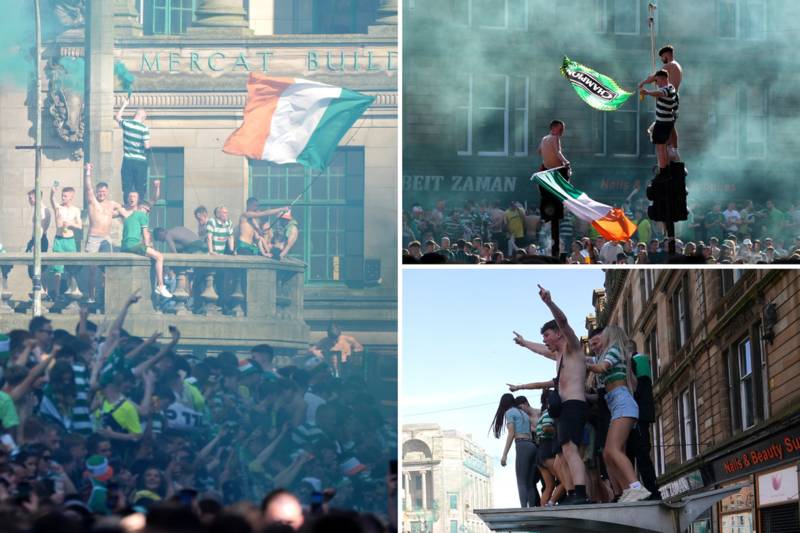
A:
[(545, 427), (617, 371), (134, 135), (220, 232), (81, 417)]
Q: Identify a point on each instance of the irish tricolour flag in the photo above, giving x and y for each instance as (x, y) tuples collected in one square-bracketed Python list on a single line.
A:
[(610, 222), (292, 120)]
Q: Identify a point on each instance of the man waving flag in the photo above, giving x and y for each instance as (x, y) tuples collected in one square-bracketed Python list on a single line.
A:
[(597, 90), (610, 222), (292, 120)]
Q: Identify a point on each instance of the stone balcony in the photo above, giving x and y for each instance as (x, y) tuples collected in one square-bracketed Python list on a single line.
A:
[(262, 300)]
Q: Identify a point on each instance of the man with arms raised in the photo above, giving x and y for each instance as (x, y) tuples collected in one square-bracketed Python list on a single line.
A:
[(68, 219), (675, 72), (550, 150), (250, 234), (563, 346), (102, 210)]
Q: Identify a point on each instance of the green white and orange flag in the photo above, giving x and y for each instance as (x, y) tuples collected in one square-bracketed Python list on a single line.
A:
[(610, 222), (292, 120)]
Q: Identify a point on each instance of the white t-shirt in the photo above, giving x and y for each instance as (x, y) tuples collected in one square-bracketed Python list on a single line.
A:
[(312, 404)]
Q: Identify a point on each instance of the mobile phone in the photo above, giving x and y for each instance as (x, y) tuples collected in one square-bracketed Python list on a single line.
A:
[(171, 329)]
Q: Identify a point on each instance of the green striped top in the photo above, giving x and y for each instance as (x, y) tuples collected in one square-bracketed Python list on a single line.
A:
[(134, 135), (220, 232), (618, 370), (545, 428), (81, 417)]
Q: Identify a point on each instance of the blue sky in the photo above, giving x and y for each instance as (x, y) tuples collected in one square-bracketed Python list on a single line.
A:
[(458, 352)]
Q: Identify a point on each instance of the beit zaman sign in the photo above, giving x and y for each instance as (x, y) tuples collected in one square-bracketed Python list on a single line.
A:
[(261, 61)]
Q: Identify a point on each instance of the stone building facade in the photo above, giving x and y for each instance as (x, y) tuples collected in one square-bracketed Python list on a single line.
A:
[(446, 477), (481, 85), (725, 354)]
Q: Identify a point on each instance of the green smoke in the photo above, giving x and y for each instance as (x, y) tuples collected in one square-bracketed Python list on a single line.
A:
[(74, 69), (16, 43), (125, 77)]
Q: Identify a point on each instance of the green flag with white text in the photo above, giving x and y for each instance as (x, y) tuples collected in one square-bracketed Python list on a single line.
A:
[(597, 90)]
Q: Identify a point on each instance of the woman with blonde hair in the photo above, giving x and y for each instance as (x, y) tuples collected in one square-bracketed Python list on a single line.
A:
[(615, 370)]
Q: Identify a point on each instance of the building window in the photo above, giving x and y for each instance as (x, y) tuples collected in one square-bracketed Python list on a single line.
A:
[(680, 310), (166, 164), (453, 526), (623, 17), (343, 16), (492, 14), (168, 17), (453, 500), (416, 526), (627, 315), (730, 277), (652, 348), (742, 19), (485, 118), (741, 120), (521, 94), (687, 421), (330, 214), (746, 371), (658, 449), (623, 139), (646, 284)]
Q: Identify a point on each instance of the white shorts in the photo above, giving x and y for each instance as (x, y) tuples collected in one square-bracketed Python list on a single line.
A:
[(98, 244)]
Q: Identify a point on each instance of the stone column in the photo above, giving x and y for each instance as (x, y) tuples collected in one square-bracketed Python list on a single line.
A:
[(424, 484), (262, 17), (126, 19), (220, 18), (386, 21), (99, 98)]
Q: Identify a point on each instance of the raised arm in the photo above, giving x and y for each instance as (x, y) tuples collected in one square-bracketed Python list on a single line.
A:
[(132, 299), (266, 212), (23, 388), (142, 367), (561, 320), (535, 347), (648, 80), (118, 116), (88, 186), (530, 386), (53, 190)]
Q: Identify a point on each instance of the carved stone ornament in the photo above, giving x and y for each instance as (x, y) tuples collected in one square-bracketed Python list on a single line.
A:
[(69, 13), (65, 105)]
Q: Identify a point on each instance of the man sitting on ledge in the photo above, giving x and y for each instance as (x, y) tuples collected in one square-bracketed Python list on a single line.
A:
[(136, 239)]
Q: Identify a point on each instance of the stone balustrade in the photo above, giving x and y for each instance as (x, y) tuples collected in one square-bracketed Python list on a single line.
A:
[(246, 300)]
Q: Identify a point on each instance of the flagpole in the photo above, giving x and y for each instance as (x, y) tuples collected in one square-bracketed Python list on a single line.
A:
[(37, 205)]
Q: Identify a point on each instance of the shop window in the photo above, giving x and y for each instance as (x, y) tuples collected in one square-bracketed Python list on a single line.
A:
[(330, 214), (168, 17), (746, 370), (736, 510), (687, 421), (166, 164)]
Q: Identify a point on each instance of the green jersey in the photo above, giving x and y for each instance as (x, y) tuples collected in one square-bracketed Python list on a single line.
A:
[(132, 229), (545, 428), (617, 371)]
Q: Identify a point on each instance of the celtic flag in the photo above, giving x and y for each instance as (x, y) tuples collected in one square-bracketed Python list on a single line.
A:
[(597, 90)]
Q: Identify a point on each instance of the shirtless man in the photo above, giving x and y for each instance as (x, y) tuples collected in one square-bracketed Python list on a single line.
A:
[(68, 219), (250, 233), (563, 346), (45, 216), (550, 150), (102, 210), (675, 72), (336, 343)]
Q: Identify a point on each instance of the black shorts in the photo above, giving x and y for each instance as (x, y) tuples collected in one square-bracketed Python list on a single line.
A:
[(547, 450), (571, 422), (662, 131), (134, 176)]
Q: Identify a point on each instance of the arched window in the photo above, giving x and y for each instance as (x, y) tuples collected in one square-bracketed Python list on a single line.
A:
[(416, 450), (168, 17)]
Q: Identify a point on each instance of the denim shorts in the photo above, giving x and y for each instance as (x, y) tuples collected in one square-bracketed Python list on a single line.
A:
[(621, 404)]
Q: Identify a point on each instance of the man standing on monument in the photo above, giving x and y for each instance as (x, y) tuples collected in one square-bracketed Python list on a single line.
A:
[(135, 140)]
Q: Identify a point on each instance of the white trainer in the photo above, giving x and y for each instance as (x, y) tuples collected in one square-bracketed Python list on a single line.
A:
[(624, 497), (163, 292), (637, 494)]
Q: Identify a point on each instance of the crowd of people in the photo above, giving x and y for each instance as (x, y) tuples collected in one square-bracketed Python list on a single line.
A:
[(99, 426), (485, 233), (591, 436)]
